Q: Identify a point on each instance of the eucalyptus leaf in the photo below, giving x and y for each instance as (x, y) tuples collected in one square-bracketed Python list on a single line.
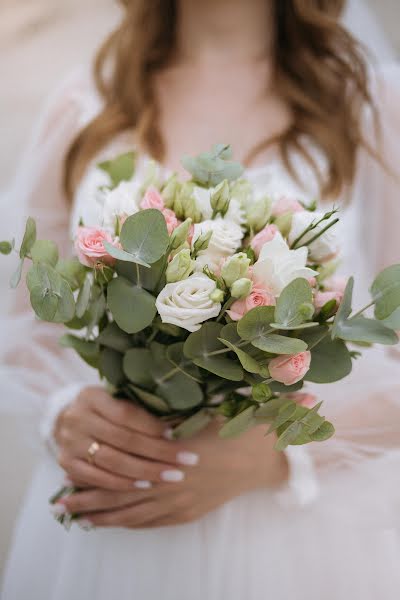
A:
[(44, 302), (324, 432), (193, 425), (87, 350), (279, 344), (242, 422), (121, 168), (361, 329), (271, 408), (132, 307), (177, 358), (344, 309), (115, 338), (288, 436), (66, 304), (29, 237), (110, 365), (16, 276), (5, 247), (150, 400), (44, 251), (256, 323), (291, 305), (385, 291), (148, 278), (393, 321), (72, 271), (330, 359), (82, 301), (285, 413), (181, 392), (247, 362), (145, 236), (137, 366), (122, 255)]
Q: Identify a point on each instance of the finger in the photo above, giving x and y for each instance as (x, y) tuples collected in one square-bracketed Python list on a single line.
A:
[(126, 414), (101, 500), (134, 517), (139, 444), (90, 475)]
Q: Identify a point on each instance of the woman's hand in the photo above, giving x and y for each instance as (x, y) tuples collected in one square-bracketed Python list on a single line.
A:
[(226, 469), (132, 451)]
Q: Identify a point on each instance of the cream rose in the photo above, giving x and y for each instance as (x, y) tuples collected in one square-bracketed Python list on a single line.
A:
[(225, 240), (187, 303), (121, 202)]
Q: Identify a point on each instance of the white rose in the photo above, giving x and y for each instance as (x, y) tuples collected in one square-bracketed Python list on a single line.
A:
[(225, 240), (325, 246), (122, 201), (187, 303), (277, 265)]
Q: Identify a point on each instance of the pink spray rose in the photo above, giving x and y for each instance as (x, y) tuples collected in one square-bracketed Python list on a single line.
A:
[(336, 283), (290, 368), (286, 205), (89, 246), (303, 399), (265, 235), (170, 219), (321, 298), (152, 199), (259, 296)]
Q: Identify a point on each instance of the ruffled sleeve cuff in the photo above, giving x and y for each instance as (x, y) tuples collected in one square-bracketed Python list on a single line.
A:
[(302, 486), (55, 405)]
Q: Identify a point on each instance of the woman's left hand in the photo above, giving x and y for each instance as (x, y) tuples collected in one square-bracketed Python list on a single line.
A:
[(226, 469)]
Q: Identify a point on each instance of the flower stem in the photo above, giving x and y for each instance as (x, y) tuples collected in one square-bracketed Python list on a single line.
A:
[(359, 312)]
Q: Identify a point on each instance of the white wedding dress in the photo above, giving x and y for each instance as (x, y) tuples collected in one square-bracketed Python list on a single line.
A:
[(332, 533)]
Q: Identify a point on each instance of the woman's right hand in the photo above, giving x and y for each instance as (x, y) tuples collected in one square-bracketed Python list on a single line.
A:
[(132, 450)]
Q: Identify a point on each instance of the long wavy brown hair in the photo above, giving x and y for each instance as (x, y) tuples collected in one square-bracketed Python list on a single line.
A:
[(319, 71)]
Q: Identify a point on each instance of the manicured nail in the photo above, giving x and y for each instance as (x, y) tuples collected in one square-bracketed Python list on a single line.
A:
[(58, 509), (85, 524), (187, 458), (172, 475), (142, 484), (169, 434)]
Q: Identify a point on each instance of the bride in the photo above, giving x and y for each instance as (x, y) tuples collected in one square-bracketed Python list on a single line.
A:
[(210, 519)]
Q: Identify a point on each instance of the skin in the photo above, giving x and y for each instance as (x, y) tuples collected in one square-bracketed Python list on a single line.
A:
[(220, 75)]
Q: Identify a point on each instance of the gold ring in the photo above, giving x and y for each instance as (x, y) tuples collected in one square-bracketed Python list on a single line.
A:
[(93, 448)]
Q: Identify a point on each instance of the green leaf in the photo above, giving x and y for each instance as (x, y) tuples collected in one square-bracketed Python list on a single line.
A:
[(6, 247), (66, 304), (261, 392), (193, 425), (29, 237), (150, 400), (148, 278), (211, 168), (330, 359), (247, 362), (256, 323), (285, 413), (44, 303), (87, 350), (50, 290), (115, 338), (393, 321), (145, 236), (44, 251), (229, 332), (344, 309), (324, 432), (122, 168), (288, 436), (82, 301), (137, 365), (72, 271), (279, 344), (177, 358), (180, 392), (361, 329), (201, 343), (385, 291), (132, 307), (110, 365), (295, 327), (289, 310), (270, 409), (122, 255), (16, 276), (238, 424)]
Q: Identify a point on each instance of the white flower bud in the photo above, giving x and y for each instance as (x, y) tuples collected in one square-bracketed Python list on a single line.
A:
[(241, 288)]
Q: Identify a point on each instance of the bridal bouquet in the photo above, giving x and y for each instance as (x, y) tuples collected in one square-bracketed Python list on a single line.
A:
[(205, 297)]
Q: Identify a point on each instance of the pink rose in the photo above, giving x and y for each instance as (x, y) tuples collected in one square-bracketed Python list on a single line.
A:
[(321, 298), (336, 283), (258, 296), (290, 368), (285, 205), (89, 246), (265, 235), (152, 199), (170, 219), (303, 399)]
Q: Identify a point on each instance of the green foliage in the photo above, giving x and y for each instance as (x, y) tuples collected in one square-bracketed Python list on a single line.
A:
[(72, 271), (121, 168), (29, 238), (280, 344), (137, 366), (83, 299), (150, 401), (192, 425), (293, 305), (6, 247), (44, 251), (148, 278), (256, 323), (360, 329), (211, 168), (132, 307), (344, 309), (248, 363), (385, 291), (87, 350), (330, 359), (110, 366), (243, 421), (115, 338), (261, 392), (393, 321), (16, 276), (51, 296), (199, 347), (144, 235)]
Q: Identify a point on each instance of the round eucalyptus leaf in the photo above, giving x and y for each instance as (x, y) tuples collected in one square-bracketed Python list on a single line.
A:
[(385, 291), (44, 303), (181, 392), (44, 251), (294, 304), (66, 304), (132, 307), (256, 322), (113, 337), (280, 344), (87, 349), (150, 400), (72, 271), (110, 365), (137, 365), (29, 237), (145, 236), (238, 424), (192, 425), (330, 361)]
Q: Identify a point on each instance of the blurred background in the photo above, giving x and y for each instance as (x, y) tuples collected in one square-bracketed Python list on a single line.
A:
[(41, 41)]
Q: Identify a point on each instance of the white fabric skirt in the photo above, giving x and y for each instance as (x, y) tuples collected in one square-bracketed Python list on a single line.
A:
[(252, 548)]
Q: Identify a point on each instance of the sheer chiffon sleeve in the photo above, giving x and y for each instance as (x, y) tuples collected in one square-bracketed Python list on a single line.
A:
[(34, 369), (361, 463)]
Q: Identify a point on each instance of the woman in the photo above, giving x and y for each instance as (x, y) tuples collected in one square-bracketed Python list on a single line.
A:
[(285, 84)]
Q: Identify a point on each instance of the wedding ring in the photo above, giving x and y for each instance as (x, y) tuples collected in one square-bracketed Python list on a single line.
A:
[(93, 448)]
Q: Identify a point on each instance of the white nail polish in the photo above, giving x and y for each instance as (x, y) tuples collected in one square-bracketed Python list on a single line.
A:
[(187, 458), (85, 524), (172, 475), (169, 434), (58, 509), (142, 484)]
